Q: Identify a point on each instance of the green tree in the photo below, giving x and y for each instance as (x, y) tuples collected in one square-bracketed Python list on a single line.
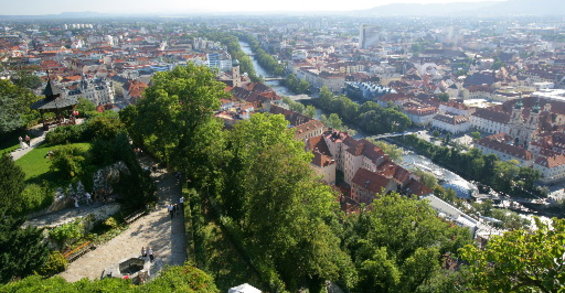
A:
[(393, 152), (476, 135), (274, 185), (68, 160), (391, 242), (176, 279), (309, 111), (174, 121), (15, 109), (26, 80), (332, 121), (84, 106), (11, 185), (520, 260), (22, 250), (104, 127), (427, 178), (444, 97)]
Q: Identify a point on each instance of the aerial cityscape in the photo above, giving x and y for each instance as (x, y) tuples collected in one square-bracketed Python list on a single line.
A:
[(290, 147)]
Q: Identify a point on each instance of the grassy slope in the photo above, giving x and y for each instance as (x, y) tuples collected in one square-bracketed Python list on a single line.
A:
[(36, 166)]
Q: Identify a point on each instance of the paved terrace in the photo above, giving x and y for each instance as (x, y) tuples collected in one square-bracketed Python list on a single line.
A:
[(155, 229)]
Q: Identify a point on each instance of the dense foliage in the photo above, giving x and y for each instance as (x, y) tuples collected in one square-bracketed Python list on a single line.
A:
[(296, 85), (174, 120), (369, 117), (11, 185), (15, 109), (399, 245), (520, 261), (25, 79), (308, 111), (472, 165), (101, 126), (68, 161), (186, 279), (267, 181), (22, 250)]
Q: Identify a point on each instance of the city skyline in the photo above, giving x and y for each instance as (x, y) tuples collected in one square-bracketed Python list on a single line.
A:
[(128, 7)]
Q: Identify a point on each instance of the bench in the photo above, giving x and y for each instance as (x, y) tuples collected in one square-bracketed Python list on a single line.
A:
[(134, 216), (72, 255)]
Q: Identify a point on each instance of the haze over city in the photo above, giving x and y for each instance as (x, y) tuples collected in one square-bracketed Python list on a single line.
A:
[(39, 7)]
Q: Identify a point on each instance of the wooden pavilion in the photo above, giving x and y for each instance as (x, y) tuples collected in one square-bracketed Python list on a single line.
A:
[(55, 101)]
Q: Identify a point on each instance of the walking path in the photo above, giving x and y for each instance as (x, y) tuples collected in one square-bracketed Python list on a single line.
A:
[(156, 230), (33, 143)]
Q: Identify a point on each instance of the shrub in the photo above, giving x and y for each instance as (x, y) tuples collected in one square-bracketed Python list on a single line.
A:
[(85, 105), (35, 197), (66, 134), (68, 161), (55, 263), (67, 233), (111, 222), (106, 127)]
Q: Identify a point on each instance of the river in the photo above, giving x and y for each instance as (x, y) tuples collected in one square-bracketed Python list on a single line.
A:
[(410, 160)]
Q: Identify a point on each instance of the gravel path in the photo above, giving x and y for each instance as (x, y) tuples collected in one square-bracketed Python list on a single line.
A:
[(33, 143), (156, 230)]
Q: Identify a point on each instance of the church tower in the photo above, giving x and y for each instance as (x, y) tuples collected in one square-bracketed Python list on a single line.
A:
[(516, 123), (236, 76)]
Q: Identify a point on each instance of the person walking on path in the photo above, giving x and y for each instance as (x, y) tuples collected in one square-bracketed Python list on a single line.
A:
[(23, 145), (28, 140), (143, 252), (150, 252), (181, 202), (170, 208)]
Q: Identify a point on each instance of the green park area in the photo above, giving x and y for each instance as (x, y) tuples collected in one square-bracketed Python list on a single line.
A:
[(36, 164)]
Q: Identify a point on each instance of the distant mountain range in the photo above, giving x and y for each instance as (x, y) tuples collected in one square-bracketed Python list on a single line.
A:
[(485, 9)]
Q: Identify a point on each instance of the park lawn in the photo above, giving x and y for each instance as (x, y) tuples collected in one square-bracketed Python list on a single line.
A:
[(35, 165)]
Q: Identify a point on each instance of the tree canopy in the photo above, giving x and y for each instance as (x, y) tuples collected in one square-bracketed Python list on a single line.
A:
[(22, 250), (15, 112), (174, 119), (520, 261), (273, 184), (185, 278), (398, 244)]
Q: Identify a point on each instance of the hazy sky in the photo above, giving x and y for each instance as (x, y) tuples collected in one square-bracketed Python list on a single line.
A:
[(28, 7)]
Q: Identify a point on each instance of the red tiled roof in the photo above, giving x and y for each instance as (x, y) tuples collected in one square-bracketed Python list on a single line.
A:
[(308, 126), (492, 115), (551, 162), (499, 142), (318, 143), (370, 181), (454, 120)]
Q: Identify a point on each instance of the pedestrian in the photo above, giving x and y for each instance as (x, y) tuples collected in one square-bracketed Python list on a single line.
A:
[(150, 252), (88, 198), (143, 252), (170, 208), (23, 145), (181, 202), (76, 201), (28, 140)]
